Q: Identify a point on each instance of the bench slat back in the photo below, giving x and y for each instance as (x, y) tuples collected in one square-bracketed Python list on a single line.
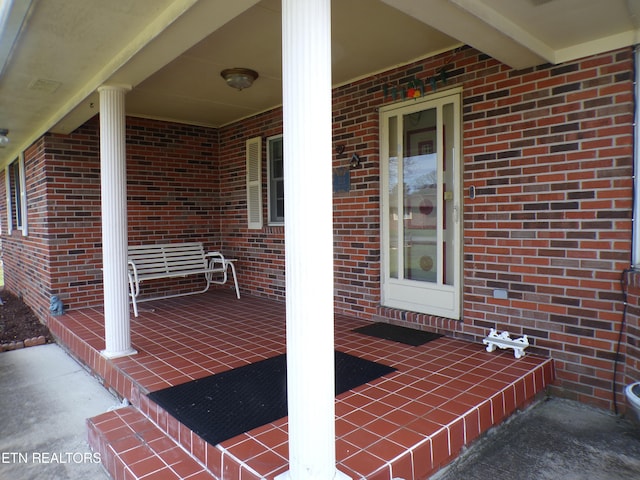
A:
[(169, 258)]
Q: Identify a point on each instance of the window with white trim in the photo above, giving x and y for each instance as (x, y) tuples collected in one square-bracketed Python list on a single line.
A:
[(16, 196), (275, 165)]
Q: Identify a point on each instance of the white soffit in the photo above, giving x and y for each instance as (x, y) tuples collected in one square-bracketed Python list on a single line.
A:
[(525, 33), (459, 23)]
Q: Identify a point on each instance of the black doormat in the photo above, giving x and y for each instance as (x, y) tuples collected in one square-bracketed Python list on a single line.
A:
[(222, 406), (405, 335)]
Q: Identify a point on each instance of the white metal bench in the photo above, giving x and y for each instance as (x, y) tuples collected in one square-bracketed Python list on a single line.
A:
[(172, 260)]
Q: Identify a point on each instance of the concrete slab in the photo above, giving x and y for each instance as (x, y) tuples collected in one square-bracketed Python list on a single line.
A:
[(45, 399), (556, 439)]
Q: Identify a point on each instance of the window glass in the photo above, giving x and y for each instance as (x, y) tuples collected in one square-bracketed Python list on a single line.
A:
[(275, 162)]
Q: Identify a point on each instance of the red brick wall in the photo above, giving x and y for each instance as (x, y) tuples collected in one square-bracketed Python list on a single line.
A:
[(172, 190), (357, 213), (172, 183), (260, 252), (73, 233), (27, 257), (549, 150)]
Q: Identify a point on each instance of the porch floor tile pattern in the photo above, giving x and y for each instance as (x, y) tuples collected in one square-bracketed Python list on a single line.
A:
[(132, 447), (407, 424)]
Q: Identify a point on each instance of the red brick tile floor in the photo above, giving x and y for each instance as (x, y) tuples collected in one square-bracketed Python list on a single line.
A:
[(407, 424)]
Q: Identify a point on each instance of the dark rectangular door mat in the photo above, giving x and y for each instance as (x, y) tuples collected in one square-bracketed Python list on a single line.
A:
[(397, 333), (222, 406)]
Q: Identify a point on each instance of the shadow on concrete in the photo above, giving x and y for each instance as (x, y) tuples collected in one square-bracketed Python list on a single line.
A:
[(555, 439)]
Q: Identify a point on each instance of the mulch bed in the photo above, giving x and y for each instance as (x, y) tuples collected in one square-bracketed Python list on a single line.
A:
[(18, 324)]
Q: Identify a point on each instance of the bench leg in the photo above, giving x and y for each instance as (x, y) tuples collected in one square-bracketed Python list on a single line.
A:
[(235, 280), (133, 294), (135, 306)]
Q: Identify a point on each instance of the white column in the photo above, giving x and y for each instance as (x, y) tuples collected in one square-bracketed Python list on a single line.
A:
[(113, 179), (306, 60)]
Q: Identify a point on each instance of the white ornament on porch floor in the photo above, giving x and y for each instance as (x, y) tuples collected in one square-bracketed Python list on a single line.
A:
[(503, 340)]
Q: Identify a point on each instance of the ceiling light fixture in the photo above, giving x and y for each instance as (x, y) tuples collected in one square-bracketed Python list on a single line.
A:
[(3, 136), (239, 78)]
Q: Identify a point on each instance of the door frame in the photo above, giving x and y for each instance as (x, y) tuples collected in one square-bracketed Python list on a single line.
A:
[(440, 299)]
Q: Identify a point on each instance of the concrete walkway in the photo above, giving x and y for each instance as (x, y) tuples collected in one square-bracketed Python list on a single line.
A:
[(45, 399), (555, 439)]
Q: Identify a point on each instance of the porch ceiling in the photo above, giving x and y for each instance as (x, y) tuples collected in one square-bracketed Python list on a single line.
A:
[(55, 53)]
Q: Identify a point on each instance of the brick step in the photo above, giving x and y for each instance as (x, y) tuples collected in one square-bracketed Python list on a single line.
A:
[(132, 447)]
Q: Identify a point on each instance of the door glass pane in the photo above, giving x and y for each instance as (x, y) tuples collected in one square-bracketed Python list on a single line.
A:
[(392, 200), (420, 200)]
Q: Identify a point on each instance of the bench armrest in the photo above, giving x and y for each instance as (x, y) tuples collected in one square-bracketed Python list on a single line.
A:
[(134, 284), (216, 258), (132, 269)]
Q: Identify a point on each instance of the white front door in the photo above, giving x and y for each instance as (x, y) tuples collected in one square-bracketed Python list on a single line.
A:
[(422, 205)]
